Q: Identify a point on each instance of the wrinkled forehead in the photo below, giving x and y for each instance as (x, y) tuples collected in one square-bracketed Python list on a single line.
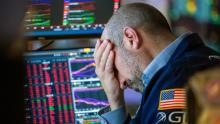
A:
[(105, 36)]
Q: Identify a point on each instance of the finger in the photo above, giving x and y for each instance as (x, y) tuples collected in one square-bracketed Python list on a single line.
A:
[(109, 63), (105, 56), (100, 51), (97, 46)]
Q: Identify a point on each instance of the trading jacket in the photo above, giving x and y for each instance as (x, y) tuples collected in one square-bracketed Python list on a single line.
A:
[(164, 99)]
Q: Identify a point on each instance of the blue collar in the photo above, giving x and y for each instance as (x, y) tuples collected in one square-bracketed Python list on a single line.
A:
[(161, 59)]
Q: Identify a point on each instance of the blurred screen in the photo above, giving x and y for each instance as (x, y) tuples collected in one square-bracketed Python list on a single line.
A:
[(68, 17), (201, 16)]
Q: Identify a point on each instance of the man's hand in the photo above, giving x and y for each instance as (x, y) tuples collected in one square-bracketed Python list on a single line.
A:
[(104, 59)]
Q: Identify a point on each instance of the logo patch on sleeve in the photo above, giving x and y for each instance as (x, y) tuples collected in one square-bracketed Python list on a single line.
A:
[(172, 99)]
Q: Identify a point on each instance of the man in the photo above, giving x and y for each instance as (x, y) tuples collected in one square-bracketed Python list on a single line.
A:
[(138, 50)]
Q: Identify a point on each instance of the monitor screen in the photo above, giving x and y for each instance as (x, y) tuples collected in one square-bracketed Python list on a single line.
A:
[(54, 18), (62, 87)]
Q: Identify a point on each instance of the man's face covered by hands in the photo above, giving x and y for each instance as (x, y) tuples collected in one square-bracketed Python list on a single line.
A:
[(126, 66), (116, 68)]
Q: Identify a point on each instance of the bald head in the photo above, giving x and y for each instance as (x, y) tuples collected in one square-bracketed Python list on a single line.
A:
[(138, 16)]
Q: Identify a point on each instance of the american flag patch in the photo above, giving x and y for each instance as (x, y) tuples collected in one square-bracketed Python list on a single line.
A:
[(172, 99)]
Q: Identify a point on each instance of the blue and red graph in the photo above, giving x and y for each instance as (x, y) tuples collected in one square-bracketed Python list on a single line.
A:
[(90, 98), (82, 68)]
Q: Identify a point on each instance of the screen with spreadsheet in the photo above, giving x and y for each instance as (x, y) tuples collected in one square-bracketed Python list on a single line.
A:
[(62, 87)]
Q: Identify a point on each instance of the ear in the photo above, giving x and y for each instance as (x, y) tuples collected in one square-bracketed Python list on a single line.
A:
[(131, 38)]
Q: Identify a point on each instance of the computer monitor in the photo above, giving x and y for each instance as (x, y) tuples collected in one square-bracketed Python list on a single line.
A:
[(68, 18), (62, 87)]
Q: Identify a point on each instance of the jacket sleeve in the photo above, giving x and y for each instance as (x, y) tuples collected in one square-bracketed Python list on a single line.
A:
[(117, 116)]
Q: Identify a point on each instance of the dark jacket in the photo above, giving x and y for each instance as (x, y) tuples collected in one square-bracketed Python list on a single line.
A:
[(168, 83)]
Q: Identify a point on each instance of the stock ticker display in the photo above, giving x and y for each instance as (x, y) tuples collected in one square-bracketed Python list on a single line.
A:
[(79, 12), (62, 88), (68, 17)]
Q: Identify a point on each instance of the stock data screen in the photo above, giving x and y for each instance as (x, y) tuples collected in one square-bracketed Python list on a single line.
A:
[(79, 12), (68, 17), (62, 88)]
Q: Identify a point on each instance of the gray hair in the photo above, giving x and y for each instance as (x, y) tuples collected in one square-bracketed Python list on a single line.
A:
[(136, 15)]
